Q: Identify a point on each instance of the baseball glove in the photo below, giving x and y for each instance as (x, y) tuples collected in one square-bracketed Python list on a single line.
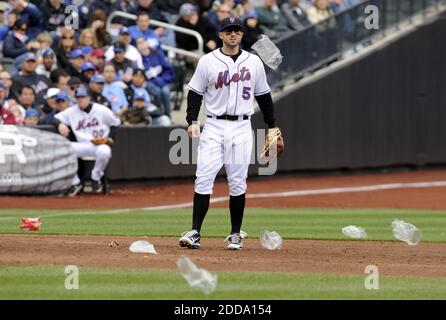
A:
[(103, 140), (274, 145)]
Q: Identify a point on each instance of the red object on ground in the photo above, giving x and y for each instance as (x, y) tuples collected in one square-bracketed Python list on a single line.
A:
[(30, 224)]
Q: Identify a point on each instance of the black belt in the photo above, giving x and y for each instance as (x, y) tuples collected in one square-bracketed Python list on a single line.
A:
[(229, 117)]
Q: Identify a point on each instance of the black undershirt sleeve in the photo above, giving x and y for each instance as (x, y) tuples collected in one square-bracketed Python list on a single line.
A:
[(193, 106), (112, 133), (266, 105)]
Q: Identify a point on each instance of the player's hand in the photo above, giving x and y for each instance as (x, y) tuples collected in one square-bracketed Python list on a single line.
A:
[(64, 130), (194, 130)]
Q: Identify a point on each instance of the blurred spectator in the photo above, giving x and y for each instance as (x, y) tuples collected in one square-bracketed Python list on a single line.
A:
[(6, 116), (6, 80), (27, 99), (123, 66), (50, 97), (73, 84), (131, 52), (29, 13), (319, 12), (142, 30), (64, 48), (98, 23), (48, 64), (96, 87), (295, 14), (252, 30), (60, 78), (138, 85), (14, 44), (87, 52), (87, 70), (170, 6), (31, 117), (88, 38), (272, 20), (53, 12), (138, 113), (159, 74), (45, 42), (219, 13), (113, 92), (11, 18), (76, 62), (62, 103), (28, 77), (190, 19), (98, 59), (106, 6)]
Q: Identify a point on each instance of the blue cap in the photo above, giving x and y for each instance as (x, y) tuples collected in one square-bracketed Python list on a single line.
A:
[(62, 96), (87, 50), (98, 78), (139, 95), (2, 85), (48, 53), (30, 57), (251, 14), (82, 91), (88, 66), (76, 54), (31, 113), (124, 30)]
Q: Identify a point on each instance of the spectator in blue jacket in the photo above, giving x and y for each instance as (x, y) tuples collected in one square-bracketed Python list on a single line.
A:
[(11, 18), (159, 74), (15, 43), (142, 30), (31, 14)]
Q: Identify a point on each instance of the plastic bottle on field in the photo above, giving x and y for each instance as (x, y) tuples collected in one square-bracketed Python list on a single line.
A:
[(271, 240), (406, 232), (268, 52), (354, 232), (197, 277)]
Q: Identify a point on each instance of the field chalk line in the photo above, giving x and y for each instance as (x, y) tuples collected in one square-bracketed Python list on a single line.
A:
[(295, 193)]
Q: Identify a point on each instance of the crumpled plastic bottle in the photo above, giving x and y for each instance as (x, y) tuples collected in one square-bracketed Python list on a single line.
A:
[(268, 52), (354, 232), (271, 240), (197, 277), (406, 232)]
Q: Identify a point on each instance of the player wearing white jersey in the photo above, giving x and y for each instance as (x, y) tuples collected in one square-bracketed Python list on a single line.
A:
[(228, 79), (89, 121)]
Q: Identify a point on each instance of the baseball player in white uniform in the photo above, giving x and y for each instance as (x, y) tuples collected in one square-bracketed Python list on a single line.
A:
[(228, 79), (89, 121)]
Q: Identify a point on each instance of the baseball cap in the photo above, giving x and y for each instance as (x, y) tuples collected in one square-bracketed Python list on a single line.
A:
[(2, 86), (187, 9), (124, 30), (31, 113), (87, 66), (74, 80), (51, 93), (87, 50), (48, 53), (251, 14), (231, 22), (76, 54), (62, 96), (139, 95), (98, 78), (119, 46), (82, 91), (30, 57), (98, 53)]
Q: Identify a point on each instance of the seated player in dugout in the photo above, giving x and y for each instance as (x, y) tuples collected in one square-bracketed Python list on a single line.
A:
[(228, 79), (94, 127)]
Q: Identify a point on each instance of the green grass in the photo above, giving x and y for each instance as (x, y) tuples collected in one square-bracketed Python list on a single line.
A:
[(49, 283), (290, 223)]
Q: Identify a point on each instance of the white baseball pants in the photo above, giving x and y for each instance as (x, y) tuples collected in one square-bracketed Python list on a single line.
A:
[(228, 143), (102, 153)]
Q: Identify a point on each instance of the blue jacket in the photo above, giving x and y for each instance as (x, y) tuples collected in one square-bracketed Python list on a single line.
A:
[(4, 32), (13, 47), (149, 35), (158, 69), (34, 17)]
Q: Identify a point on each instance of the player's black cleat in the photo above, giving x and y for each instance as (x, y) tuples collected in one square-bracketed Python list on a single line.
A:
[(190, 239), (235, 241), (75, 190), (96, 186)]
